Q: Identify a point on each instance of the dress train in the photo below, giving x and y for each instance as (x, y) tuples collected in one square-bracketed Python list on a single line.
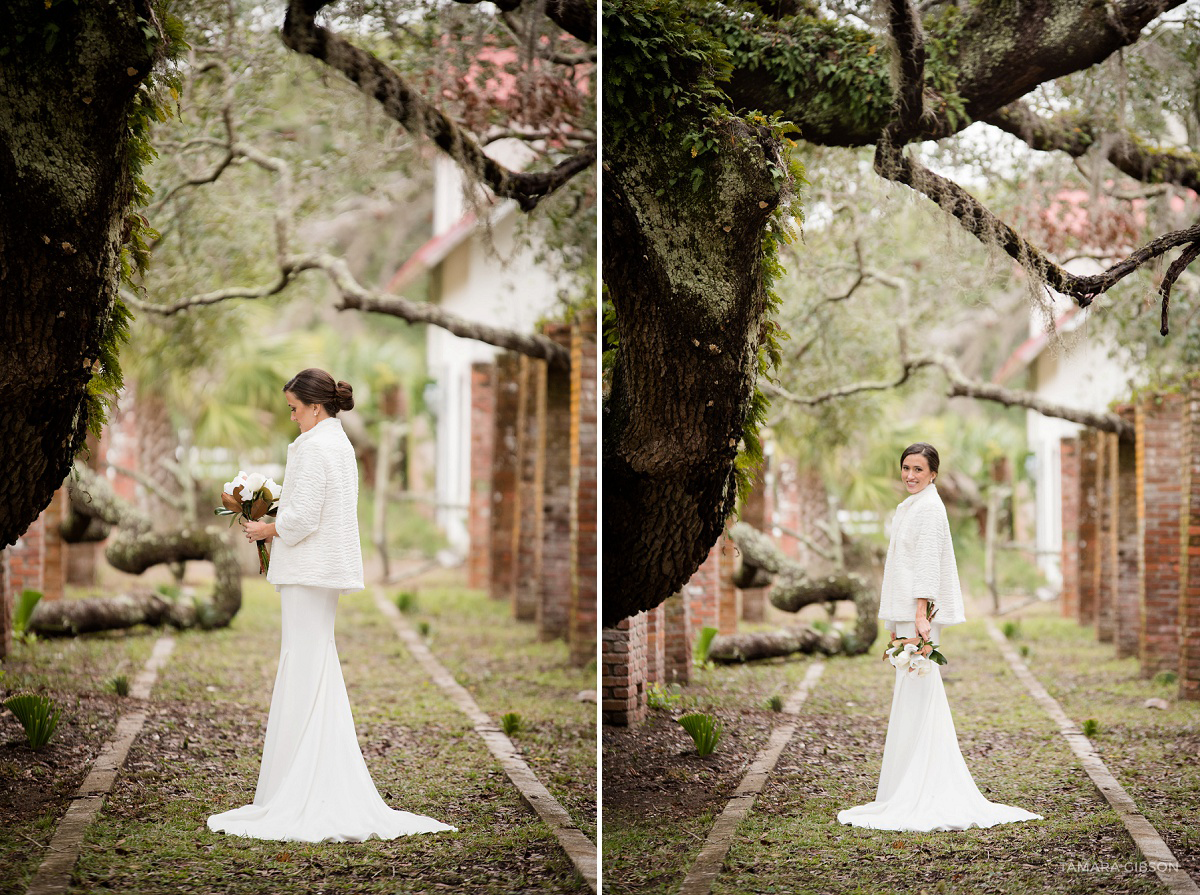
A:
[(314, 785), (924, 784)]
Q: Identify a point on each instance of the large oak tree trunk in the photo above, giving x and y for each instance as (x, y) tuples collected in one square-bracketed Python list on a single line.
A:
[(134, 550), (688, 290), (67, 77)]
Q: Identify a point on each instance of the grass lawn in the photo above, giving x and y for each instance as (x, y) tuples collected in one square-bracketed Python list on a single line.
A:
[(506, 669), (199, 754), (792, 843)]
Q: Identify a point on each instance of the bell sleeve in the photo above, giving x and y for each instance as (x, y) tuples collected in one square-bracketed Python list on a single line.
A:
[(300, 513)]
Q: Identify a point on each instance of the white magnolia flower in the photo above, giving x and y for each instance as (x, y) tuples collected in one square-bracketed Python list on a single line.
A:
[(274, 489), (921, 665), (902, 658), (254, 482)]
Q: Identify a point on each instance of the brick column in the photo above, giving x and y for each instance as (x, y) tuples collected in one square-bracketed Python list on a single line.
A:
[(554, 603), (728, 608), (1128, 615), (505, 390), (1089, 525), (656, 645), (584, 503), (27, 557), (1106, 507), (757, 512), (1068, 453), (703, 593), (531, 459), (677, 653), (1189, 526), (623, 672), (1160, 464), (479, 513)]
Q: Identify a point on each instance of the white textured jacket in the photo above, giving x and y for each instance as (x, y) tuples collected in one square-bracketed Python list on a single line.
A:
[(317, 524), (920, 562)]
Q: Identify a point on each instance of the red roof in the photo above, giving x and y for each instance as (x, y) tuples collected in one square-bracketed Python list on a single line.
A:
[(432, 253)]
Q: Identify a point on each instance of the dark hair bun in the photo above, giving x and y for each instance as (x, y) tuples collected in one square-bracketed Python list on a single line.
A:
[(345, 396)]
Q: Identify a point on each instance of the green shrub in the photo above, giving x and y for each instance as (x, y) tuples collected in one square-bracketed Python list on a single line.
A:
[(23, 612), (705, 731), (38, 715), (1024, 650), (664, 697), (510, 723), (703, 643), (406, 601), (1165, 678), (120, 685), (1091, 727), (170, 591), (775, 703), (1012, 630), (423, 628), (822, 625)]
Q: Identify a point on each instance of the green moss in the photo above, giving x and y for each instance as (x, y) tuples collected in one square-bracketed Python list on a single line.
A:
[(152, 103)]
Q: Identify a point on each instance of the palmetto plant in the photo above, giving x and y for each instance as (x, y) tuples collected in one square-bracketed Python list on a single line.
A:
[(705, 731), (510, 723), (38, 715)]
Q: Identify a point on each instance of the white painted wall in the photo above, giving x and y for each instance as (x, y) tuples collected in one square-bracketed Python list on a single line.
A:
[(503, 286), (1081, 373)]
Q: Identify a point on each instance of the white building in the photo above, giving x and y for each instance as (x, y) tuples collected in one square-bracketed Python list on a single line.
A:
[(1079, 370), (478, 271)]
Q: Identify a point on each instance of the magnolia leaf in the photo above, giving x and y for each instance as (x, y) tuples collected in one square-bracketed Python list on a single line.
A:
[(259, 508)]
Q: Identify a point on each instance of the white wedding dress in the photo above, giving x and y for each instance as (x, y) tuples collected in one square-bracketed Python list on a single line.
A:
[(924, 784), (314, 785)]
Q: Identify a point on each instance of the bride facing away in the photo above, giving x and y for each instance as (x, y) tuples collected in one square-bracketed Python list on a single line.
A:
[(313, 785), (924, 784)]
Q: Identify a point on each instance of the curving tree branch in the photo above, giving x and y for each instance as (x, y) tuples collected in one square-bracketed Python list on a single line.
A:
[(136, 548), (405, 105), (1076, 135), (892, 162), (962, 386), (353, 294)]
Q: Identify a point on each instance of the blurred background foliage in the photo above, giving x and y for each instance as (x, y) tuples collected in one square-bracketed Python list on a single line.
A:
[(207, 381)]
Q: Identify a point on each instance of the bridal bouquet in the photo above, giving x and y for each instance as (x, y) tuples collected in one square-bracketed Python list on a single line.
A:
[(915, 653), (251, 496)]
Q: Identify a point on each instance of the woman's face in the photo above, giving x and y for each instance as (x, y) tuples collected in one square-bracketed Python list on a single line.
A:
[(915, 473), (303, 415)]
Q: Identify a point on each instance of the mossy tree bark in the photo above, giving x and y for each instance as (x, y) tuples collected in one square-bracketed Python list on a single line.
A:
[(68, 73), (135, 549), (678, 285), (685, 278)]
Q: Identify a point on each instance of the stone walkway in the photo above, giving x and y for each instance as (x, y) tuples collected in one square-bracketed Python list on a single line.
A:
[(580, 849), (708, 863), (1149, 842), (54, 874), (1159, 858)]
